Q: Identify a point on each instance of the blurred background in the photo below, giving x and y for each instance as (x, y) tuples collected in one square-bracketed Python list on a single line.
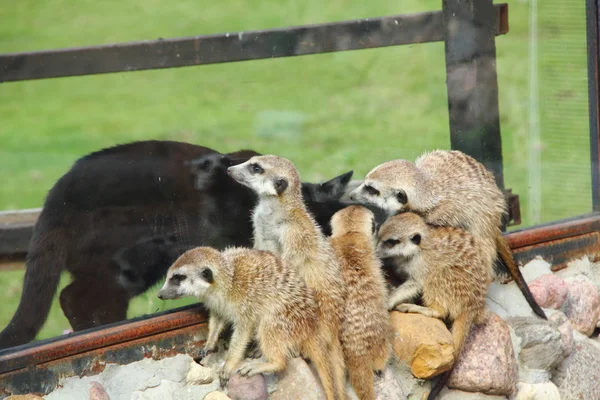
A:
[(328, 113)]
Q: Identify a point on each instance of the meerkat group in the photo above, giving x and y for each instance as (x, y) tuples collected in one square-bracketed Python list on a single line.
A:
[(298, 292)]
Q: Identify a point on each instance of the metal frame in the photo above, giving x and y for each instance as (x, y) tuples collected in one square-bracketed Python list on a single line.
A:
[(593, 49), (36, 367)]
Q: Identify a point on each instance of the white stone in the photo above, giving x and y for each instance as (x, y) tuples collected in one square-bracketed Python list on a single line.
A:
[(578, 269), (216, 396), (506, 300), (539, 391), (199, 375), (535, 268)]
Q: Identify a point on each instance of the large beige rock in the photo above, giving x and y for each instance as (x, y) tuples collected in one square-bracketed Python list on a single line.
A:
[(24, 397), (487, 363), (216, 395), (423, 343)]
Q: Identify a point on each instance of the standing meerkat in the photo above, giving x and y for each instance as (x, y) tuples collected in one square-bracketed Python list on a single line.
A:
[(448, 188), (446, 265), (365, 333), (283, 226), (261, 296)]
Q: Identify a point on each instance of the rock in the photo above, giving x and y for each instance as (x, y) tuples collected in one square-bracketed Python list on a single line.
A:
[(487, 363), (243, 388), (578, 376), (423, 343), (199, 375), (216, 396), (507, 301), (539, 391), (549, 291), (97, 392), (449, 394), (581, 268), (582, 306), (24, 397), (387, 387), (535, 268), (541, 342), (412, 387), (299, 382), (565, 328)]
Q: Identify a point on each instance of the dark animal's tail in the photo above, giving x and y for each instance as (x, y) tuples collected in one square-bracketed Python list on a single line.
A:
[(45, 261), (507, 258)]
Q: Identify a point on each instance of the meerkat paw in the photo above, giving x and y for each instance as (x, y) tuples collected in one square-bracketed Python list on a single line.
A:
[(256, 367), (223, 377), (205, 352), (254, 352), (413, 308)]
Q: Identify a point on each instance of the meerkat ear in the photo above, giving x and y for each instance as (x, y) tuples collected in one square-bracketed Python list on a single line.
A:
[(207, 275), (401, 196), (280, 185), (416, 239)]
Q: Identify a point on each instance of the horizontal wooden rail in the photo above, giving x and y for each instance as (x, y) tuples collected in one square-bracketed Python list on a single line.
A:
[(237, 46)]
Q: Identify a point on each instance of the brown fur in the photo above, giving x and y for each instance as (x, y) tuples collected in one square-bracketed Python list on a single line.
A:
[(365, 331), (264, 298), (448, 266), (449, 188), (283, 225)]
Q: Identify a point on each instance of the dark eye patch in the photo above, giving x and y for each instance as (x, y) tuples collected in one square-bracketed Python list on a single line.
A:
[(256, 169), (178, 278), (391, 242), (371, 190)]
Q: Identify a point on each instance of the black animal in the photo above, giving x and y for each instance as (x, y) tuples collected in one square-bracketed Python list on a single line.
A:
[(144, 201)]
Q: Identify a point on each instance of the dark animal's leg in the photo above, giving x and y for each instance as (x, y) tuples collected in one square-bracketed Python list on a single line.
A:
[(93, 301)]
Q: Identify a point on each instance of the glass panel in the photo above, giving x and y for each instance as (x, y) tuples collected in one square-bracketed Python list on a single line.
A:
[(328, 113)]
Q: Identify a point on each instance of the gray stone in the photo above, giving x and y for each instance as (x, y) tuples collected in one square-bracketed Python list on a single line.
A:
[(541, 342), (578, 376), (451, 394), (297, 381), (507, 301), (412, 387), (247, 388), (533, 376), (388, 387), (560, 320), (539, 391)]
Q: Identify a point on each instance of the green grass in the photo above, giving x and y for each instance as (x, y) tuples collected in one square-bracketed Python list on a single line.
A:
[(348, 110)]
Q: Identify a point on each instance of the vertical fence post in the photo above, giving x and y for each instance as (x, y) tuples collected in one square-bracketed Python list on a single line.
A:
[(472, 83), (593, 40)]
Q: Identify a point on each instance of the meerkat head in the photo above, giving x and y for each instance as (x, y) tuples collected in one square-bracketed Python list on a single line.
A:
[(401, 236), (193, 274), (355, 219), (394, 186), (268, 176)]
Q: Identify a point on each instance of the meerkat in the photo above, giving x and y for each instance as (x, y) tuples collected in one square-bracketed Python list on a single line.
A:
[(365, 332), (447, 266), (448, 188), (283, 226), (261, 296)]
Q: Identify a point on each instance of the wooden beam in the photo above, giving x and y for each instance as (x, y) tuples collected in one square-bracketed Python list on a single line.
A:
[(234, 46), (469, 30)]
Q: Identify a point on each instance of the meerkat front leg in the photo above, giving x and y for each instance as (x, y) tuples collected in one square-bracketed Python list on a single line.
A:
[(406, 292), (413, 308), (216, 324), (240, 338)]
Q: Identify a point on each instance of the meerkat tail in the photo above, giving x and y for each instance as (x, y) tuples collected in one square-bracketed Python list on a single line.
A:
[(515, 272), (316, 350), (460, 330), (339, 368), (362, 379)]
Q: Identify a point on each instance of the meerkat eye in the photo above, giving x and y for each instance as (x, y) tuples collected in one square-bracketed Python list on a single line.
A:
[(256, 169), (205, 164), (178, 278), (402, 198), (371, 190), (416, 239), (207, 275), (391, 242)]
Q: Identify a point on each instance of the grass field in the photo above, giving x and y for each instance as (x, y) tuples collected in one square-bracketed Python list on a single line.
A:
[(328, 113)]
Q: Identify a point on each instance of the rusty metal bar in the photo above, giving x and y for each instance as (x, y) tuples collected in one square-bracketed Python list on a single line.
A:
[(55, 348), (593, 53), (235, 46)]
